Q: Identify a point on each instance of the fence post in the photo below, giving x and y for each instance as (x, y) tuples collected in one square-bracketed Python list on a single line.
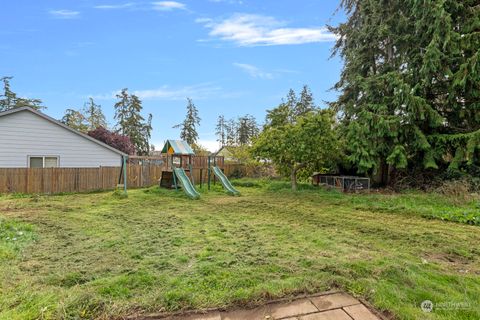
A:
[(125, 174)]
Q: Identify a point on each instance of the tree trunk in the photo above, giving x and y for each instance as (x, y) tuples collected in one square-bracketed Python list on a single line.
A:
[(293, 175), (293, 178), (382, 175)]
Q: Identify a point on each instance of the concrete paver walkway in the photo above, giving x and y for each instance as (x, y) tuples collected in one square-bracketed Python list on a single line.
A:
[(328, 306)]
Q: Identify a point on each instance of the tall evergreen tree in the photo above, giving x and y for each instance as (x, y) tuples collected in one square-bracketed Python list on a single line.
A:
[(10, 100), (410, 86), (94, 115), (221, 130), (291, 108), (305, 103), (131, 123), (188, 128), (292, 99), (146, 130), (447, 66), (231, 131), (75, 120), (122, 109), (247, 129)]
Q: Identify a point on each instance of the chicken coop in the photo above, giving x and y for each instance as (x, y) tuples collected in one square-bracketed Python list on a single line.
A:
[(343, 183)]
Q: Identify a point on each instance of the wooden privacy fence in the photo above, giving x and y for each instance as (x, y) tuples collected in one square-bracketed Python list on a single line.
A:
[(58, 180)]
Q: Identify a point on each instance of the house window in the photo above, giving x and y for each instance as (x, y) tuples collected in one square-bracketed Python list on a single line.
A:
[(43, 162)]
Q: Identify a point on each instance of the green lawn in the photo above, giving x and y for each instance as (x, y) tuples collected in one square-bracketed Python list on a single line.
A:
[(100, 255)]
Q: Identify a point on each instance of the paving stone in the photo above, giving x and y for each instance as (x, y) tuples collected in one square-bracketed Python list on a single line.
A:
[(260, 313), (274, 311), (294, 308), (206, 316), (333, 301), (331, 306), (337, 314), (360, 312)]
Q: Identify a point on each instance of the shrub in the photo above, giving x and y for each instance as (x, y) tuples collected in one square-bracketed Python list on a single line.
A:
[(113, 139)]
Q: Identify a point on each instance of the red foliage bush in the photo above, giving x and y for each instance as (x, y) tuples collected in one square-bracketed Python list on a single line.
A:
[(114, 140)]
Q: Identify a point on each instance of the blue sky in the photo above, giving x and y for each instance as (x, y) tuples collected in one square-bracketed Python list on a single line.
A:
[(231, 57)]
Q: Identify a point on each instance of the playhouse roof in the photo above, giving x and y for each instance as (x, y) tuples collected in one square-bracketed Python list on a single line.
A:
[(177, 147)]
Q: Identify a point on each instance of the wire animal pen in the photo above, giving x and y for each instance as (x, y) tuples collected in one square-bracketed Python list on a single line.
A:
[(343, 183)]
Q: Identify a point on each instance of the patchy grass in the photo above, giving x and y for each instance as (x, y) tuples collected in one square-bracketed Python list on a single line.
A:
[(99, 255)]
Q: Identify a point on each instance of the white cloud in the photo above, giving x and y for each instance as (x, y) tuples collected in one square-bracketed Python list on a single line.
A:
[(168, 5), (200, 91), (258, 30), (253, 71), (115, 6), (64, 14)]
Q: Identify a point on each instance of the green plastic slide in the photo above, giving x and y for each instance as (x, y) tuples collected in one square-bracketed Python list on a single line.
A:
[(187, 186), (225, 182)]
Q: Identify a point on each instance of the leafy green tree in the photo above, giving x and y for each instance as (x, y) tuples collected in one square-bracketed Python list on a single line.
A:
[(188, 128), (279, 116), (10, 100), (131, 123), (75, 120), (200, 150), (94, 115), (409, 87), (309, 143), (221, 130)]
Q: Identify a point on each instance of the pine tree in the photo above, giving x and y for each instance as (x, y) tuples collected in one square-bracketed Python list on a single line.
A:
[(305, 104), (122, 109), (291, 105), (10, 100), (135, 126), (247, 129), (146, 130), (94, 115), (291, 108), (410, 87), (131, 123), (447, 65), (231, 131), (292, 99), (188, 128), (75, 120), (221, 130)]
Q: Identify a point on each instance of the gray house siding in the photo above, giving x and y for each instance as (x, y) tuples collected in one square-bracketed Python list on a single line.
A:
[(24, 134)]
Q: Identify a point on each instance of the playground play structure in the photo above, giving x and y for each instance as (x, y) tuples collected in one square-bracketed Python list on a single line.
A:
[(179, 167)]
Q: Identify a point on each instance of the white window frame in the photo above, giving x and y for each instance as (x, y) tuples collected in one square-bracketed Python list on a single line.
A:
[(43, 160)]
